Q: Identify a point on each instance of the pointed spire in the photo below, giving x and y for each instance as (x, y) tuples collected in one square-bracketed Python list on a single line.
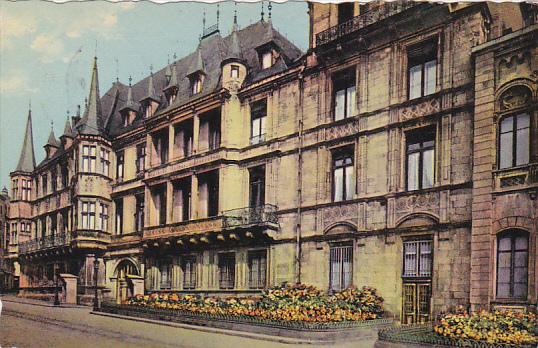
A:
[(197, 65), (269, 8), (234, 49), (263, 14), (173, 82), (151, 87), (218, 15), (130, 103), (52, 138), (92, 122), (68, 130), (4, 191), (27, 157), (168, 71)]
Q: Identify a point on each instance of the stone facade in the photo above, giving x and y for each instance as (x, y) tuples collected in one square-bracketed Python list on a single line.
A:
[(332, 168)]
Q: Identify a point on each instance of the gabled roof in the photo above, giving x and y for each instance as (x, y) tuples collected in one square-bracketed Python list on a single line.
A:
[(130, 104), (68, 130), (27, 157), (210, 53), (151, 90), (92, 121)]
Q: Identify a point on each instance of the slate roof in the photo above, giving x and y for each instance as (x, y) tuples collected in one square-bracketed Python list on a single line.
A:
[(27, 157), (212, 50), (92, 122)]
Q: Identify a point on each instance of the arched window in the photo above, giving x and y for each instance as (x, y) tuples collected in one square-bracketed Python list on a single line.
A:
[(512, 264), (514, 138)]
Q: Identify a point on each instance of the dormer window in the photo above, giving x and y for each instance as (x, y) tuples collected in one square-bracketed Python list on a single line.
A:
[(125, 120), (267, 59), (196, 84)]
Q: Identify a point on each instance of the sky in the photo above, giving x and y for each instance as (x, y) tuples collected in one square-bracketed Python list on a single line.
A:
[(46, 52)]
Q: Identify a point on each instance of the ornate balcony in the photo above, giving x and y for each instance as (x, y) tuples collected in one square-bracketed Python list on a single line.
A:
[(376, 14), (45, 243), (263, 216), (91, 240), (184, 228)]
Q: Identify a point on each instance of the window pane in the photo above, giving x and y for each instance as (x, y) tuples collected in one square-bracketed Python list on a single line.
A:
[(520, 275), (338, 184), (415, 81), (350, 188), (262, 125), (520, 259), (339, 105), (504, 259), (507, 124), (412, 171), (523, 121), (521, 243), (520, 290), (505, 244), (427, 173), (505, 152), (256, 127), (503, 290), (522, 146), (351, 102), (410, 259), (504, 275), (430, 75)]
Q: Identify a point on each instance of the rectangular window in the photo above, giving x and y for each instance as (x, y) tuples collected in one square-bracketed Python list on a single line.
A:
[(267, 59), (105, 161), (258, 116), (88, 215), (26, 189), (14, 233), (119, 216), (344, 94), (227, 270), (234, 72), (140, 157), (65, 174), (345, 12), (208, 194), (422, 69), (343, 177), (103, 217), (120, 159), (420, 147), (417, 259), (257, 269), (53, 180), (341, 267), (182, 200), (512, 265), (165, 268), (89, 157), (196, 84), (257, 186), (44, 180), (188, 265), (139, 214), (514, 141), (15, 189)]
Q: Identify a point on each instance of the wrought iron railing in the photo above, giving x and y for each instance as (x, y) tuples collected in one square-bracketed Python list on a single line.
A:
[(376, 14), (46, 242), (262, 214)]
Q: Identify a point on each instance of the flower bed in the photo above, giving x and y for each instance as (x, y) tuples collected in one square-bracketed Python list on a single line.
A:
[(508, 327), (287, 303)]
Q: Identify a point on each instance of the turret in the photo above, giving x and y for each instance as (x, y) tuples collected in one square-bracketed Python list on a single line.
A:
[(92, 121), (130, 109), (67, 137), (170, 91), (52, 144), (234, 69), (151, 101)]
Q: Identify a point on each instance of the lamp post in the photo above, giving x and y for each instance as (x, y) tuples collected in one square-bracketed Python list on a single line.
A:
[(56, 295), (95, 277)]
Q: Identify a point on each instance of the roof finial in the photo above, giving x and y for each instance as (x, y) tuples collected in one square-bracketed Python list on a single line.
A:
[(175, 56), (78, 110), (235, 13), (51, 125), (218, 15), (203, 22), (117, 69), (262, 12), (269, 8), (95, 52), (130, 79)]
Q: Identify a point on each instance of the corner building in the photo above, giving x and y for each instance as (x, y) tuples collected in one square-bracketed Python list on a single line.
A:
[(249, 163)]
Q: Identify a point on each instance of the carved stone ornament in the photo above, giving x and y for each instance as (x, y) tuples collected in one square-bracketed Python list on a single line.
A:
[(342, 130), (332, 215), (428, 202), (515, 97), (425, 108)]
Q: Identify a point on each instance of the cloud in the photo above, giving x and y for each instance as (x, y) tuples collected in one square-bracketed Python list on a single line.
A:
[(13, 28), (16, 82), (49, 47)]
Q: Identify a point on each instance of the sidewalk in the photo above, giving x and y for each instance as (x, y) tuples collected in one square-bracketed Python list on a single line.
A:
[(16, 299)]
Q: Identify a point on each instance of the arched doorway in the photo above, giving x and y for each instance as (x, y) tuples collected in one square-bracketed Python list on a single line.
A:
[(124, 285)]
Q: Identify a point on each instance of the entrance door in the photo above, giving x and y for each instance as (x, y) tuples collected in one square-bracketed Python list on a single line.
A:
[(416, 302), (416, 278), (124, 286)]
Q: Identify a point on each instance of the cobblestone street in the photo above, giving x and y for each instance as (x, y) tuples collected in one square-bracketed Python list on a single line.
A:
[(31, 325)]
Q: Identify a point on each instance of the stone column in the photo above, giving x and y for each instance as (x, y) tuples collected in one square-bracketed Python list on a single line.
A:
[(171, 139), (195, 133), (169, 201), (194, 197)]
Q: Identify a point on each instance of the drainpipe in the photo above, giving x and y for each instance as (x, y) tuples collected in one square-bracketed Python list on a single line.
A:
[(299, 183)]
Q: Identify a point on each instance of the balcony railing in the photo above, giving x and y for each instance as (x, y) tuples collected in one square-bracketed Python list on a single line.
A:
[(376, 14), (46, 242), (264, 214)]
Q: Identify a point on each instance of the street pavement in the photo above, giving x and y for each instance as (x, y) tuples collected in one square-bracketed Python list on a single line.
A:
[(31, 324)]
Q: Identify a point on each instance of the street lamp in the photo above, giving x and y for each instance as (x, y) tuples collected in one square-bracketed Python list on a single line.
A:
[(56, 295), (95, 275)]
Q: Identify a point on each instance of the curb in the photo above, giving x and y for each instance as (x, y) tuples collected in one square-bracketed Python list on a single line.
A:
[(245, 334), (44, 304)]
